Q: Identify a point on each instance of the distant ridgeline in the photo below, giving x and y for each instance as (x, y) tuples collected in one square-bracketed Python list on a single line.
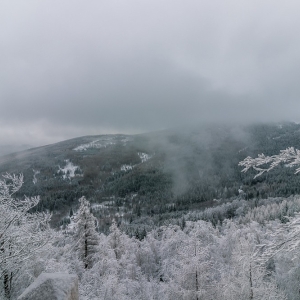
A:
[(154, 176)]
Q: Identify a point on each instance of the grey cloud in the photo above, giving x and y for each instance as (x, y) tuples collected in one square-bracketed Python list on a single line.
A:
[(70, 68)]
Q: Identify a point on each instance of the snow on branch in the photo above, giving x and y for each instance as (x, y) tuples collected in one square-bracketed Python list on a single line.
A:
[(285, 238), (289, 156), (22, 234)]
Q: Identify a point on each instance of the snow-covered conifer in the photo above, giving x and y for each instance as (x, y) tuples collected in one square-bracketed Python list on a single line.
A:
[(86, 236)]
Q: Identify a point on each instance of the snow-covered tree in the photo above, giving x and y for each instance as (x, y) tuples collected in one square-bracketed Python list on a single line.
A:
[(22, 234), (86, 236), (245, 278), (286, 239), (290, 157)]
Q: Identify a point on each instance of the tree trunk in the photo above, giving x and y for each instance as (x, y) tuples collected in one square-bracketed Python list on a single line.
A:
[(7, 280), (7, 276), (197, 288), (85, 248), (251, 283), (197, 283)]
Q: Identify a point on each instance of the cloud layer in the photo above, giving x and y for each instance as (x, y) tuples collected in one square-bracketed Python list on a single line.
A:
[(71, 68)]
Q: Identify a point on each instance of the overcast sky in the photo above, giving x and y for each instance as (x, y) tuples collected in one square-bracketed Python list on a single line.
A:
[(70, 68)]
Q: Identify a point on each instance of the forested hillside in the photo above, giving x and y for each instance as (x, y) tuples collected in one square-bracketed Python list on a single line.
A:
[(156, 216), (253, 255), (149, 178)]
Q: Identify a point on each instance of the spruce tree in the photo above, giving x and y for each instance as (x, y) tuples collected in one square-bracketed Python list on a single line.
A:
[(87, 238)]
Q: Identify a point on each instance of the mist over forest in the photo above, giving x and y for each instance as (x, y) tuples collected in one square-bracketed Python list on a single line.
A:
[(149, 150)]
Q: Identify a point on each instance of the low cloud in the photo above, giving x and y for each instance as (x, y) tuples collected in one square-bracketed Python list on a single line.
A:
[(69, 69)]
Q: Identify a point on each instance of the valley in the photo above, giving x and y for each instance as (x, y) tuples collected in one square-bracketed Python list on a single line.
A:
[(146, 180)]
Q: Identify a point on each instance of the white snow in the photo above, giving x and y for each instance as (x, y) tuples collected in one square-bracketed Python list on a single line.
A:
[(103, 205), (242, 149), (35, 172), (126, 167), (52, 286), (97, 144), (125, 140), (68, 170), (217, 200), (144, 156), (170, 205), (71, 227)]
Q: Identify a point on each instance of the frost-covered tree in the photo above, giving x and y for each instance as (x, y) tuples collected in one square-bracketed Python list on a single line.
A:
[(286, 239), (86, 236), (245, 278), (290, 157), (195, 276), (186, 270), (22, 234)]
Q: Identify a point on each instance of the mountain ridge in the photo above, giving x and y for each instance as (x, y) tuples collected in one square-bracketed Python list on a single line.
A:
[(154, 174)]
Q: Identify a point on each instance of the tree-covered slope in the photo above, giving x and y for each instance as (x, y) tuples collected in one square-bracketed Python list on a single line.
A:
[(155, 174)]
